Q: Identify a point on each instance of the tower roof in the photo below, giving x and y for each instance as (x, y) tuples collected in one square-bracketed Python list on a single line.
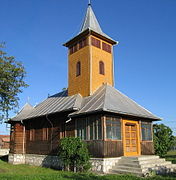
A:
[(91, 24)]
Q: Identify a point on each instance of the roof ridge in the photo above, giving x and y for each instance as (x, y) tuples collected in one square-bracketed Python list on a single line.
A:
[(78, 101), (94, 96), (25, 106), (105, 95)]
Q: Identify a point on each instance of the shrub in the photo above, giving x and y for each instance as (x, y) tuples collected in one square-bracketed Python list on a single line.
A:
[(163, 139), (74, 154)]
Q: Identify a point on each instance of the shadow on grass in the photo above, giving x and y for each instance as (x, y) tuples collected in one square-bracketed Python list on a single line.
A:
[(100, 177), (4, 158), (82, 177), (171, 158)]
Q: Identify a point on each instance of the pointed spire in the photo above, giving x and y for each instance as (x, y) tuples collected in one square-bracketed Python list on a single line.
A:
[(90, 21), (89, 24)]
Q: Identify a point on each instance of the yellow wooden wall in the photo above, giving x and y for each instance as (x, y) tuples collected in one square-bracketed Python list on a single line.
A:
[(90, 79), (79, 84)]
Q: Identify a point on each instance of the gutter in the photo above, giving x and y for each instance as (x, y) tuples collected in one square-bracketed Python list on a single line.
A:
[(24, 133)]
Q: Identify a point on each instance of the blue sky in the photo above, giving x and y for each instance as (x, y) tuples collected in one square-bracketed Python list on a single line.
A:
[(145, 58)]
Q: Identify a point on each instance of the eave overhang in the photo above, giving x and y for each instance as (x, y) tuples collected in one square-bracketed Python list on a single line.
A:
[(115, 112), (89, 32)]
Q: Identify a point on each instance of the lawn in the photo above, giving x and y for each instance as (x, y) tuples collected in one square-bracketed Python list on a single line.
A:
[(25, 172), (171, 156)]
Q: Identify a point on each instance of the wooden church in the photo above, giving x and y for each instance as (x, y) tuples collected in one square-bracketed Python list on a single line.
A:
[(91, 108)]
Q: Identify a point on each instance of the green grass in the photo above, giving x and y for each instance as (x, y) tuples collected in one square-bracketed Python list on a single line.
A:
[(171, 156), (25, 172)]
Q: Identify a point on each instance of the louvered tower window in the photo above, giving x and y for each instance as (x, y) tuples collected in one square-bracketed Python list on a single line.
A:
[(78, 68), (101, 68)]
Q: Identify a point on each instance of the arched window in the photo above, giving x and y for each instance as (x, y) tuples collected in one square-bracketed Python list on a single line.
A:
[(101, 68), (78, 68)]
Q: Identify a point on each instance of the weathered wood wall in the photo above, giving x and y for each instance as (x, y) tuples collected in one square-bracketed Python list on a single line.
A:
[(104, 149), (96, 148), (16, 139), (147, 148), (113, 148), (56, 129)]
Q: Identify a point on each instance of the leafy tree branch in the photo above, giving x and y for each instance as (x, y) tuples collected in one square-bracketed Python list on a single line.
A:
[(12, 74)]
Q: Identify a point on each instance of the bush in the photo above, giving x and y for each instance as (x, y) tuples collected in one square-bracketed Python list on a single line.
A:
[(163, 139), (74, 154)]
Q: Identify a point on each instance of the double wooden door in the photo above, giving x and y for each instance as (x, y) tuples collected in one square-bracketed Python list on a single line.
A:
[(131, 138)]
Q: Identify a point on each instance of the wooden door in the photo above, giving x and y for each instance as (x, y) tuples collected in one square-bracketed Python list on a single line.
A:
[(131, 138)]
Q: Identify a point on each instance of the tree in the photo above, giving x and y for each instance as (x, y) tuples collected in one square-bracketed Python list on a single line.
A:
[(163, 139), (74, 154), (12, 74), (174, 144)]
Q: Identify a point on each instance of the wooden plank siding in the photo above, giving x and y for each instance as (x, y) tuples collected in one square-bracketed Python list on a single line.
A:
[(70, 129), (105, 149), (147, 148), (96, 148), (48, 130), (40, 143), (113, 148), (55, 127), (16, 139)]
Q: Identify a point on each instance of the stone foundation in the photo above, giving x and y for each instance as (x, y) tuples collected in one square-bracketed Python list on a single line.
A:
[(36, 160), (44, 161), (17, 158), (101, 165)]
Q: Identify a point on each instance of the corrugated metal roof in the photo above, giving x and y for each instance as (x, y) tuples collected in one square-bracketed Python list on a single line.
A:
[(106, 98), (109, 99), (56, 103), (24, 112)]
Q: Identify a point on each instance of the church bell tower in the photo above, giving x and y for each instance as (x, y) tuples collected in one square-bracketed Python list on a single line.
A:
[(90, 58)]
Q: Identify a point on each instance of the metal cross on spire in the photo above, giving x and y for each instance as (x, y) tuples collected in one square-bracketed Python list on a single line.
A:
[(89, 2)]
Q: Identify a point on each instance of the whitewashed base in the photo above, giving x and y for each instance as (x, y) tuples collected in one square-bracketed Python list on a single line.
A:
[(100, 165), (103, 165)]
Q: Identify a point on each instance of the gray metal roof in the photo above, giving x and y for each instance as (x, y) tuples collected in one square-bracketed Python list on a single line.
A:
[(90, 22), (106, 98), (109, 99), (24, 112), (57, 103)]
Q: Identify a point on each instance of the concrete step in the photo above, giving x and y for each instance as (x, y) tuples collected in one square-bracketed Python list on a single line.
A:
[(142, 165), (121, 171), (135, 165), (140, 158), (164, 163), (147, 165), (123, 167), (136, 162)]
